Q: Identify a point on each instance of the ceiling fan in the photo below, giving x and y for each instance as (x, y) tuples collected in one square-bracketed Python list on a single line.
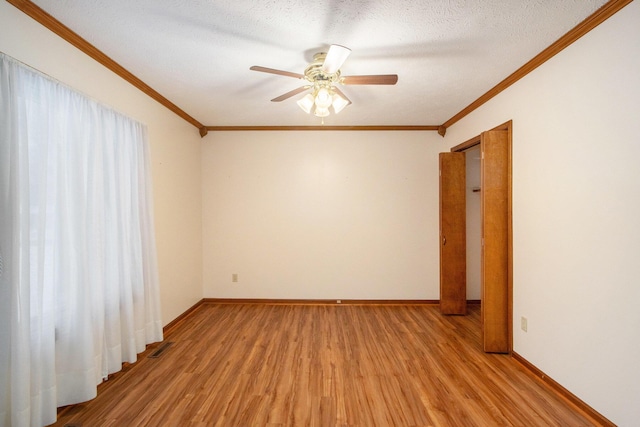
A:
[(322, 75)]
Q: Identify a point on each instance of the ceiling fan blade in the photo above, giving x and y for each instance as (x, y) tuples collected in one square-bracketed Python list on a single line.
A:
[(278, 72), (379, 79), (335, 58), (339, 92), (290, 94)]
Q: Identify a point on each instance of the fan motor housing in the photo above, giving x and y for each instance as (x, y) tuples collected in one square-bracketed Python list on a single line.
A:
[(315, 74)]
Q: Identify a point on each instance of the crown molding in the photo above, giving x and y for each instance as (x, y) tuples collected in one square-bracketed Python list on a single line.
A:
[(48, 21), (207, 129), (595, 19), (31, 9)]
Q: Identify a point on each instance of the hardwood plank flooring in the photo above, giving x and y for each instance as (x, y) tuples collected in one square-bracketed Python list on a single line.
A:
[(324, 365)]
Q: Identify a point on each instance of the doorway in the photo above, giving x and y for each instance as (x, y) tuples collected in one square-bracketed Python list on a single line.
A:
[(496, 234), (473, 223)]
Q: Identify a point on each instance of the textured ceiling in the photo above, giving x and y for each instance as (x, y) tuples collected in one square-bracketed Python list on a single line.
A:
[(197, 53)]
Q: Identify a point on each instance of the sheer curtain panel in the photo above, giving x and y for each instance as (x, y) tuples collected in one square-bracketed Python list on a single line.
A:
[(79, 292)]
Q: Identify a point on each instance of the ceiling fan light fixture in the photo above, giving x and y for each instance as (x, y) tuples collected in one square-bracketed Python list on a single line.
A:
[(338, 103), (322, 76), (306, 103)]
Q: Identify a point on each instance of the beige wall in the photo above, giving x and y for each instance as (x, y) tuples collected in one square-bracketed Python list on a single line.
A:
[(354, 215), (576, 210), (321, 215), (175, 151)]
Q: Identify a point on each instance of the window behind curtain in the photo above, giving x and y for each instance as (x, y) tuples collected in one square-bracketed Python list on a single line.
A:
[(78, 271)]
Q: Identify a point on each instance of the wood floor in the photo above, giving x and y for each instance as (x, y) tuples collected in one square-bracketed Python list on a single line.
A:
[(324, 365)]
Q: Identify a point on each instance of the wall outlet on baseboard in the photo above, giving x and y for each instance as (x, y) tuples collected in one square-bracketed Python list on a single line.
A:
[(523, 323), (234, 277)]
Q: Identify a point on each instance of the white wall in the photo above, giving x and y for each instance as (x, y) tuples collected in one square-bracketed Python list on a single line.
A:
[(576, 213), (321, 215), (175, 150)]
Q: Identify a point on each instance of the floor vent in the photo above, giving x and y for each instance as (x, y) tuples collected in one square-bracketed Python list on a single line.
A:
[(73, 425), (160, 350)]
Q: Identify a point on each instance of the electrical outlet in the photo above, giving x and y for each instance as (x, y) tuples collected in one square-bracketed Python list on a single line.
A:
[(234, 277), (523, 323)]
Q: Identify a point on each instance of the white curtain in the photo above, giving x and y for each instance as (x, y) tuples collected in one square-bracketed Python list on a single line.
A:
[(78, 271)]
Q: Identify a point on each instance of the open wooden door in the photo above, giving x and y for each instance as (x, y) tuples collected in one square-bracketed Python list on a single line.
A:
[(453, 246), (495, 184)]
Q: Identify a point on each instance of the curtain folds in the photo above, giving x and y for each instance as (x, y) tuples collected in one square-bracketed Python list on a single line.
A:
[(79, 292)]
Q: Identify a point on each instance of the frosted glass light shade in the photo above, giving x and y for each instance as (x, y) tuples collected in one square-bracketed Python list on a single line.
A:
[(306, 103), (339, 103), (321, 112), (323, 98)]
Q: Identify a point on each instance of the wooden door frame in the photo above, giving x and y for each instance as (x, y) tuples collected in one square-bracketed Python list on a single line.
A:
[(472, 143)]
